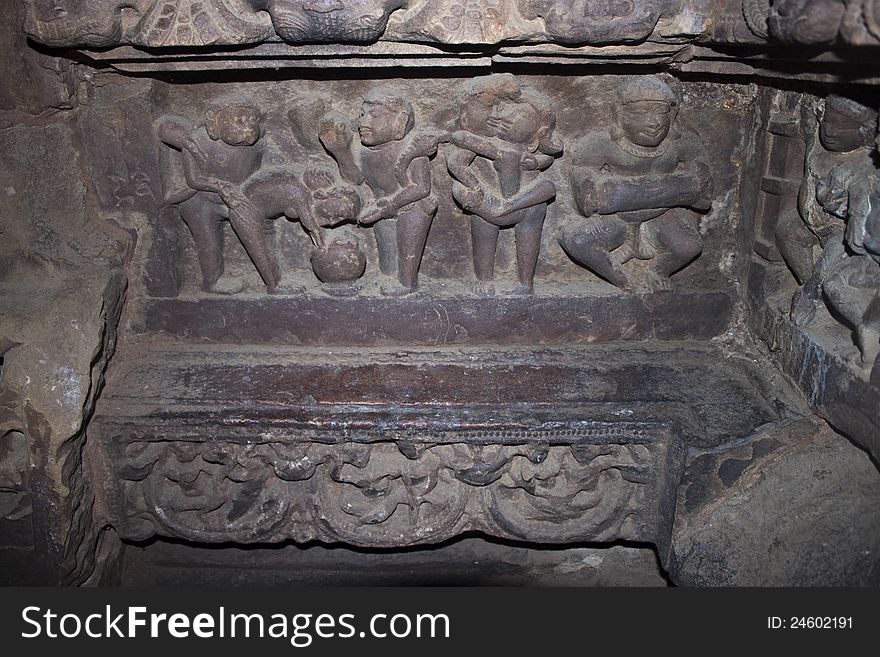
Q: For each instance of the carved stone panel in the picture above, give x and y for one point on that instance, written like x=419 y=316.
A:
x=387 y=493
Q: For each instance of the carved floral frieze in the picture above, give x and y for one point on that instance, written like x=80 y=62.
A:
x=383 y=494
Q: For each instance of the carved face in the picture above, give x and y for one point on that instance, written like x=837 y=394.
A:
x=646 y=123
x=515 y=122
x=380 y=124
x=840 y=132
x=236 y=126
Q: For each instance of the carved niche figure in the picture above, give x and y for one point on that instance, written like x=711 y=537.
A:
x=393 y=159
x=329 y=21
x=217 y=157
x=847 y=275
x=597 y=21
x=503 y=144
x=639 y=188
x=845 y=135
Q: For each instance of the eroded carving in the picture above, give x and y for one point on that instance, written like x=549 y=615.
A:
x=640 y=188
x=603 y=21
x=393 y=159
x=218 y=157
x=151 y=23
x=814 y=22
x=838 y=209
x=329 y=21
x=388 y=493
x=504 y=142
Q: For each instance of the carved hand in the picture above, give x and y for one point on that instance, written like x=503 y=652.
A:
x=335 y=132
x=383 y=208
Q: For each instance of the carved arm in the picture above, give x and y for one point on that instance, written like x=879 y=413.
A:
x=336 y=136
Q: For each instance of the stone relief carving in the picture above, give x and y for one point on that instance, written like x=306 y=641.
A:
x=831 y=243
x=330 y=21
x=503 y=143
x=217 y=157
x=149 y=23
x=393 y=159
x=387 y=493
x=814 y=22
x=462 y=21
x=640 y=188
x=605 y=21
x=838 y=137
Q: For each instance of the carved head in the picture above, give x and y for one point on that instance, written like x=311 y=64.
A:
x=645 y=111
x=846 y=125
x=810 y=22
x=485 y=103
x=334 y=202
x=384 y=118
x=235 y=123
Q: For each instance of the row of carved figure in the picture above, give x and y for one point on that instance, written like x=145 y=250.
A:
x=639 y=186
x=169 y=23
x=831 y=242
x=384 y=494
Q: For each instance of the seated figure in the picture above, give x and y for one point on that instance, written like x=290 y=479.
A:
x=640 y=189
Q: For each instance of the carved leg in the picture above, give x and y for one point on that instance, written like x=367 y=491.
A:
x=203 y=216
x=248 y=226
x=590 y=243
x=678 y=241
x=796 y=243
x=386 y=242
x=484 y=237
x=528 y=246
x=413 y=227
x=868 y=332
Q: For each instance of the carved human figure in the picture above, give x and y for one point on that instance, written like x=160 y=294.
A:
x=393 y=159
x=639 y=188
x=847 y=275
x=329 y=21
x=218 y=157
x=504 y=142
x=841 y=142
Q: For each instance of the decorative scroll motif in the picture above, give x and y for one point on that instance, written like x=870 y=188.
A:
x=639 y=188
x=838 y=217
x=814 y=22
x=597 y=22
x=385 y=494
x=503 y=143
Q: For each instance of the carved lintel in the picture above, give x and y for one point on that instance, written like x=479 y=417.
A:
x=387 y=493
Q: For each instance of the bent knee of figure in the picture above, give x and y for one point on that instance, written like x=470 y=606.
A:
x=605 y=233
